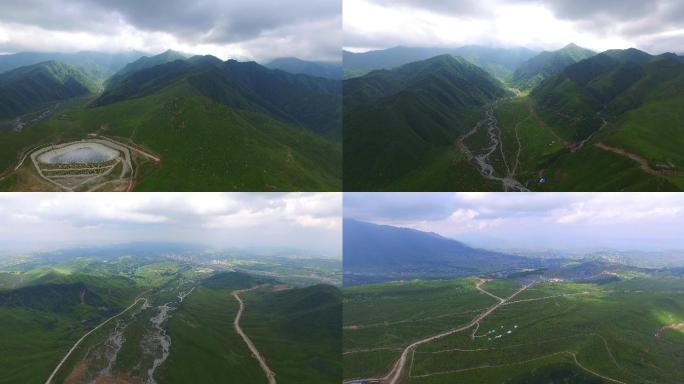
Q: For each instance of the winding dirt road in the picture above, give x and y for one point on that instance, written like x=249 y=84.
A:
x=643 y=163
x=270 y=375
x=398 y=373
x=54 y=372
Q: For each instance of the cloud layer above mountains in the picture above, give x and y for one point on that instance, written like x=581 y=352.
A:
x=248 y=29
x=299 y=220
x=532 y=220
x=655 y=26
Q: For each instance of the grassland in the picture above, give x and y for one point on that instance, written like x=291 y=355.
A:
x=204 y=145
x=384 y=318
x=534 y=146
x=298 y=331
x=559 y=332
x=49 y=304
x=205 y=347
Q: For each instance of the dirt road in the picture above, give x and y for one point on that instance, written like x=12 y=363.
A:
x=643 y=163
x=398 y=372
x=270 y=375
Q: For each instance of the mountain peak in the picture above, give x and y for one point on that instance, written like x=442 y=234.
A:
x=572 y=47
x=172 y=53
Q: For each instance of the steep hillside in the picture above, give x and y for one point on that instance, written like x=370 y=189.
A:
x=294 y=65
x=297 y=330
x=25 y=89
x=295 y=99
x=98 y=65
x=215 y=126
x=146 y=62
x=532 y=72
x=379 y=252
x=206 y=145
x=309 y=321
x=406 y=119
x=579 y=98
x=499 y=62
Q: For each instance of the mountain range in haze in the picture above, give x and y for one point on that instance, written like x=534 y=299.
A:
x=375 y=253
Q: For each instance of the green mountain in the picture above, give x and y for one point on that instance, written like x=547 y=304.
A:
x=299 y=100
x=228 y=126
x=25 y=89
x=215 y=125
x=499 y=62
x=147 y=318
x=146 y=62
x=405 y=120
x=532 y=72
x=374 y=253
x=609 y=84
x=611 y=122
x=294 y=65
x=98 y=65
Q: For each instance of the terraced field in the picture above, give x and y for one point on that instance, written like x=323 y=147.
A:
x=549 y=332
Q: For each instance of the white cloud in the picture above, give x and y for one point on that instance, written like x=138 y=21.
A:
x=303 y=220
x=543 y=25
x=620 y=220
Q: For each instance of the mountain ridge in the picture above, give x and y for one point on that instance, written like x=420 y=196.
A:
x=25 y=89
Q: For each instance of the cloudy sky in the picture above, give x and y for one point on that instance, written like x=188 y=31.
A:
x=306 y=221
x=247 y=29
x=623 y=221
x=655 y=26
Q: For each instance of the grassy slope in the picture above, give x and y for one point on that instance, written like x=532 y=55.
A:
x=625 y=314
x=203 y=145
x=592 y=169
x=205 y=347
x=654 y=128
x=207 y=146
x=39 y=331
x=392 y=315
x=28 y=88
x=298 y=332
x=410 y=160
x=51 y=129
x=402 y=123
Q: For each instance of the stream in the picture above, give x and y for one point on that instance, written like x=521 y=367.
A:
x=482 y=160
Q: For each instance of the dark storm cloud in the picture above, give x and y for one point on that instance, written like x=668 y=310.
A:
x=218 y=20
x=260 y=22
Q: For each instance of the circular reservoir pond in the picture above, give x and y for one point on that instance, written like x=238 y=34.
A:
x=78 y=153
